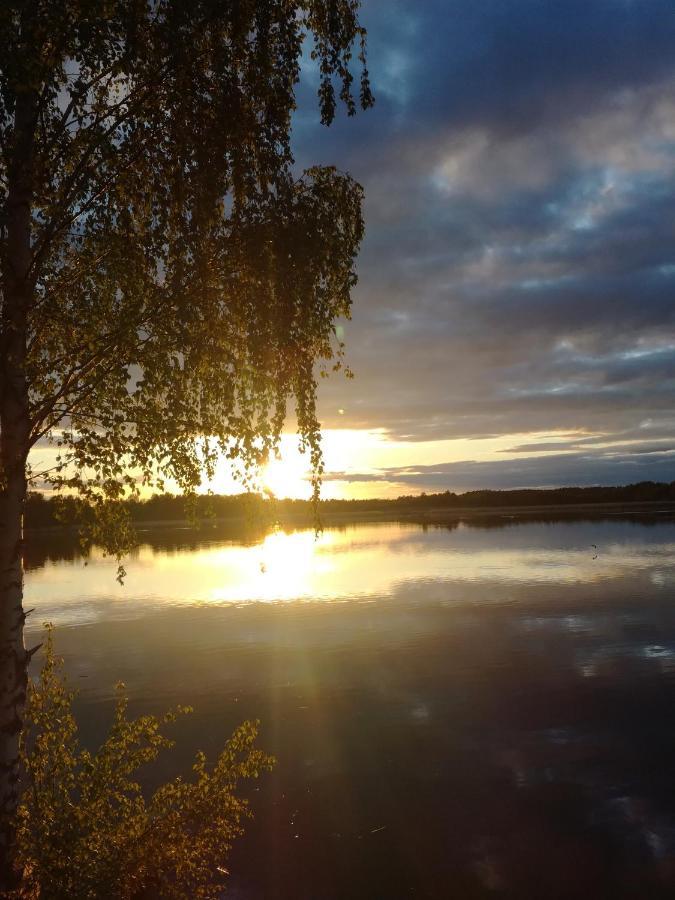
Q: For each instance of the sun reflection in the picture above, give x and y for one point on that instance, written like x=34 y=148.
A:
x=283 y=567
x=374 y=560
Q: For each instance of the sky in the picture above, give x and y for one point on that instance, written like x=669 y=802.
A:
x=514 y=320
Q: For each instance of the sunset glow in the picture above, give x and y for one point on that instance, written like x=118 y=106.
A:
x=370 y=463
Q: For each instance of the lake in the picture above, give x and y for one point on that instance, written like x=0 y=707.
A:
x=471 y=709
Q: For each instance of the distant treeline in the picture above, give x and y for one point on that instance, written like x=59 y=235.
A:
x=642 y=492
x=42 y=511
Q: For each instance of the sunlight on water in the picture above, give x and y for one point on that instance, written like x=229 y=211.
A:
x=361 y=561
x=283 y=567
x=501 y=689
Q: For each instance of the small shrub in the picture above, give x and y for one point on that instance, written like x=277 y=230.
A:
x=84 y=828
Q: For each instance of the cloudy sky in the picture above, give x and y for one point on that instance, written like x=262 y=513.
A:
x=514 y=322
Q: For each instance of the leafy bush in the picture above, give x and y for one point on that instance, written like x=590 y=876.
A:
x=84 y=828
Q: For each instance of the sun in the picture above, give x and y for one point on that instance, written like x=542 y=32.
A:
x=287 y=476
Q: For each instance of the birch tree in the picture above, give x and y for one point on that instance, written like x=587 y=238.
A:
x=168 y=283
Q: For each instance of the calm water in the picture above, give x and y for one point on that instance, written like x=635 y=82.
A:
x=485 y=709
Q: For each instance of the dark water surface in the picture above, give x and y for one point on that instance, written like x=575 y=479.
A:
x=457 y=710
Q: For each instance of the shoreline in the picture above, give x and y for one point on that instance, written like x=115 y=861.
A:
x=430 y=516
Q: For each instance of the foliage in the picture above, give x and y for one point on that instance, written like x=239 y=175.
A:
x=42 y=511
x=181 y=281
x=85 y=829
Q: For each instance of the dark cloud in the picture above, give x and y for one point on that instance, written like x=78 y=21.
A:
x=518 y=273
x=541 y=471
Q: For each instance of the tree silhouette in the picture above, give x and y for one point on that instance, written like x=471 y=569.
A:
x=168 y=283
